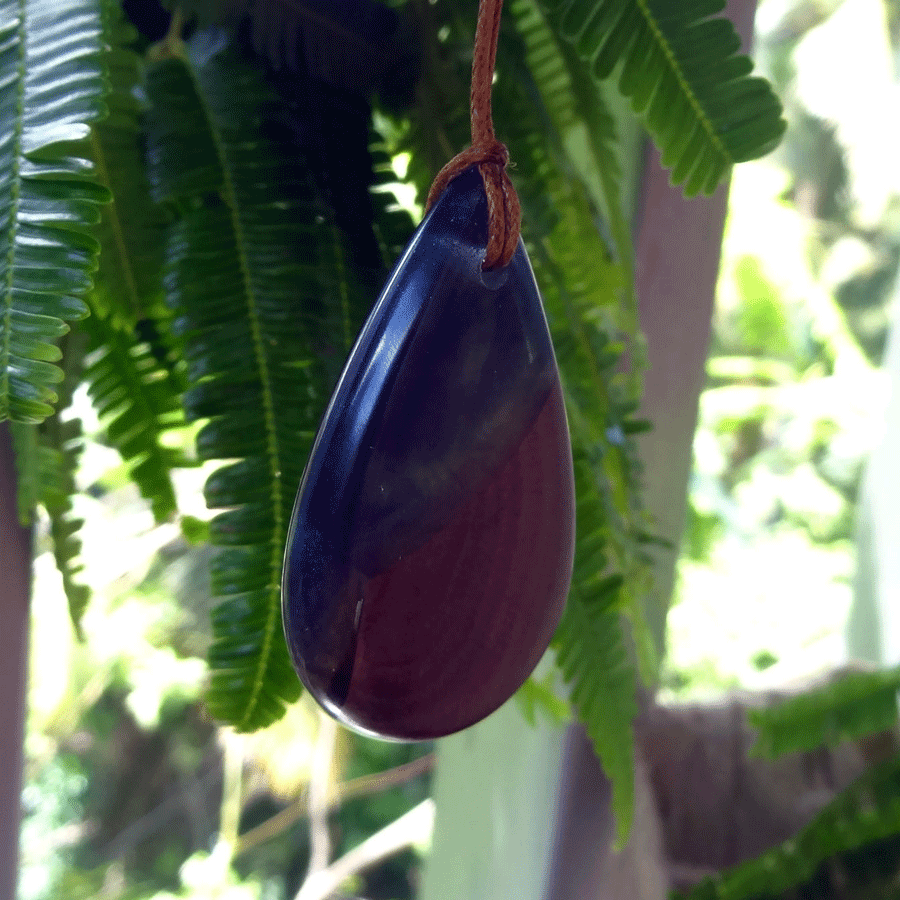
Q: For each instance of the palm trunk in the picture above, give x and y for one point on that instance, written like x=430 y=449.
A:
x=15 y=583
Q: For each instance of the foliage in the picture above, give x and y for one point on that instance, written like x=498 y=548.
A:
x=52 y=88
x=240 y=252
x=49 y=802
x=52 y=451
x=853 y=706
x=681 y=69
x=137 y=397
x=230 y=268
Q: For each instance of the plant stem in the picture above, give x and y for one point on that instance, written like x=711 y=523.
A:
x=15 y=590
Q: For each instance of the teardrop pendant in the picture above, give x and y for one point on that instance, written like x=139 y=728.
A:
x=430 y=549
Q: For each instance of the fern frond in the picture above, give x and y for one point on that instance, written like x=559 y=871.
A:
x=47 y=457
x=354 y=44
x=138 y=401
x=65 y=440
x=865 y=812
x=392 y=224
x=853 y=706
x=439 y=126
x=681 y=69
x=592 y=654
x=264 y=308
x=51 y=87
x=580 y=113
x=131 y=230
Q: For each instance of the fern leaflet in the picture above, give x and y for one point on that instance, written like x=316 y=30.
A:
x=47 y=457
x=853 y=706
x=51 y=87
x=136 y=397
x=680 y=67
x=131 y=228
x=250 y=233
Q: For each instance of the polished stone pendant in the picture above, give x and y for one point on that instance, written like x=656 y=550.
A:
x=430 y=549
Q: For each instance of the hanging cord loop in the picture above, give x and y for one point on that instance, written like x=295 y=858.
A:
x=491 y=157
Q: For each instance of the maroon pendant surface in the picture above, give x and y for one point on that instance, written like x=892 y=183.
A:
x=431 y=544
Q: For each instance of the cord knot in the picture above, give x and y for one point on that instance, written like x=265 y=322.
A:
x=504 y=211
x=491 y=157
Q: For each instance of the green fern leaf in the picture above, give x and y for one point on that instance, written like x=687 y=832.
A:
x=592 y=654
x=51 y=87
x=439 y=125
x=61 y=438
x=65 y=441
x=581 y=117
x=138 y=401
x=393 y=225
x=855 y=705
x=264 y=306
x=681 y=70
x=131 y=231
x=47 y=457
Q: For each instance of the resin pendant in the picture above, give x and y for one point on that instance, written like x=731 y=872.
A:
x=430 y=549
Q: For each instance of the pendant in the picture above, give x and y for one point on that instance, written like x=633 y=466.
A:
x=431 y=544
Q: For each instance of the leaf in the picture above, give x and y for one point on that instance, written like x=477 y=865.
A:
x=51 y=87
x=138 y=400
x=681 y=70
x=47 y=457
x=853 y=706
x=357 y=45
x=538 y=693
x=393 y=226
x=131 y=229
x=65 y=439
x=592 y=654
x=265 y=308
x=580 y=113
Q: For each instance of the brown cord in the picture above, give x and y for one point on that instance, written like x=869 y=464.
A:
x=491 y=157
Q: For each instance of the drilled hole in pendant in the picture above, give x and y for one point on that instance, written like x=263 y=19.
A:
x=494 y=279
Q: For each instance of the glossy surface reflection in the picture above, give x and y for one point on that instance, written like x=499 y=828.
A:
x=430 y=550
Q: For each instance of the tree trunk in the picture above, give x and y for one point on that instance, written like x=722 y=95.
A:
x=719 y=805
x=15 y=584
x=874 y=626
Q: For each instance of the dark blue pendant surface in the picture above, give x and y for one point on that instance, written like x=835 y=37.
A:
x=430 y=548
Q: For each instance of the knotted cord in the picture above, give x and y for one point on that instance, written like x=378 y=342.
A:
x=489 y=154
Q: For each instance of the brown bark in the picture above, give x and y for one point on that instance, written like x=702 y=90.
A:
x=717 y=804
x=15 y=585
